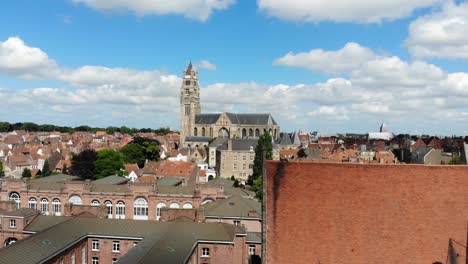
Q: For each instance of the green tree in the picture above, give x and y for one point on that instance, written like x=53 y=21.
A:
x=26 y=173
x=30 y=127
x=108 y=162
x=46 y=169
x=134 y=153
x=264 y=145
x=83 y=164
x=5 y=127
x=1 y=169
x=151 y=150
x=126 y=130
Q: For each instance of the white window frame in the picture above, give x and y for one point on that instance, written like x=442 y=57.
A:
x=14 y=196
x=95 y=245
x=75 y=199
x=95 y=260
x=44 y=206
x=205 y=252
x=116 y=246
x=12 y=223
x=251 y=250
x=56 y=207
x=109 y=208
x=174 y=205
x=95 y=203
x=83 y=255
x=32 y=203
x=120 y=210
x=158 y=210
x=114 y=260
x=237 y=222
x=140 y=209
x=72 y=258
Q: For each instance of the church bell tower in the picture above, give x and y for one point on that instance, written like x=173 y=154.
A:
x=189 y=102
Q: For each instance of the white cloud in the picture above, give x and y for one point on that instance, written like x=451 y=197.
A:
x=330 y=112
x=442 y=34
x=19 y=60
x=195 y=9
x=360 y=11
x=351 y=56
x=204 y=64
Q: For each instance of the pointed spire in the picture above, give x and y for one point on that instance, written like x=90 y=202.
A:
x=189 y=68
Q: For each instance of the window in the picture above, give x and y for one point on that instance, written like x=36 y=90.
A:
x=205 y=252
x=135 y=243
x=187 y=109
x=140 y=209
x=187 y=82
x=158 y=210
x=236 y=222
x=32 y=203
x=115 y=246
x=251 y=250
x=15 y=197
x=95 y=260
x=95 y=245
x=174 y=205
x=195 y=131
x=234 y=166
x=12 y=223
x=45 y=206
x=114 y=260
x=56 y=207
x=244 y=157
x=187 y=91
x=187 y=206
x=75 y=199
x=120 y=210
x=109 y=208
x=251 y=158
x=244 y=166
x=235 y=157
x=72 y=258
x=83 y=255
x=61 y=261
x=95 y=203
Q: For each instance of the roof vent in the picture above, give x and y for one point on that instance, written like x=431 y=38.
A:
x=170 y=249
x=46 y=242
x=231 y=203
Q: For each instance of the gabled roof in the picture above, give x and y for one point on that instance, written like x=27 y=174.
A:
x=113 y=179
x=206 y=118
x=235 y=206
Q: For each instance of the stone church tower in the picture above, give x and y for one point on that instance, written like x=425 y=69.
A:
x=189 y=102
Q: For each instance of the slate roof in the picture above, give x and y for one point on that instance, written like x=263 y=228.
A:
x=162 y=242
x=197 y=139
x=240 y=144
x=206 y=118
x=285 y=140
x=113 y=179
x=56 y=178
x=22 y=212
x=168 y=181
x=235 y=206
x=254 y=237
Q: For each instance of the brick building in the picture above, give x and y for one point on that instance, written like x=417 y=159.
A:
x=364 y=213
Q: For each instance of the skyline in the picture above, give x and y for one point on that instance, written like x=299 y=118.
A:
x=394 y=62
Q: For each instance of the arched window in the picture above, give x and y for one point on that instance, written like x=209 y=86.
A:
x=56 y=207
x=158 y=210
x=257 y=132
x=44 y=206
x=75 y=199
x=195 y=132
x=275 y=134
x=208 y=200
x=174 y=205
x=95 y=203
x=187 y=206
x=10 y=241
x=223 y=133
x=120 y=210
x=244 y=133
x=203 y=132
x=109 y=208
x=32 y=203
x=211 y=132
x=251 y=133
x=14 y=196
x=140 y=209
x=271 y=132
x=264 y=131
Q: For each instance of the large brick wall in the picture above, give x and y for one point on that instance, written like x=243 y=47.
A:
x=334 y=213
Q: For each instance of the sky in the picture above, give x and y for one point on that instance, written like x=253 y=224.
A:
x=331 y=66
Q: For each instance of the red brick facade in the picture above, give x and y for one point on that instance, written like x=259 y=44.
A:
x=364 y=213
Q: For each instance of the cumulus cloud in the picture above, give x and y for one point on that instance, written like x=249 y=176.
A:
x=351 y=56
x=20 y=60
x=442 y=34
x=359 y=11
x=195 y=9
x=204 y=64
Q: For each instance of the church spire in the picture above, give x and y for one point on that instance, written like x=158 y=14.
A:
x=189 y=68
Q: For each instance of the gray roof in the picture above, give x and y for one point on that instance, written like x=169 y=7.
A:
x=285 y=140
x=56 y=178
x=419 y=154
x=166 y=242
x=240 y=144
x=113 y=179
x=254 y=237
x=238 y=119
x=207 y=119
x=217 y=142
x=233 y=207
x=22 y=212
x=168 y=181
x=197 y=139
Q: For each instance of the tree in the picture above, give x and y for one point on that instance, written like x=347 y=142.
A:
x=108 y=162
x=83 y=164
x=46 y=169
x=264 y=146
x=26 y=173
x=134 y=153
x=151 y=150
x=5 y=127
x=1 y=169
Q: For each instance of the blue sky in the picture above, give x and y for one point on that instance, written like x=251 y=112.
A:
x=102 y=62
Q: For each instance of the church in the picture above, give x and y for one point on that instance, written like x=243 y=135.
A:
x=214 y=125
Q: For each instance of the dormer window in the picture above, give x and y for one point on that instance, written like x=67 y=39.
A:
x=12 y=223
